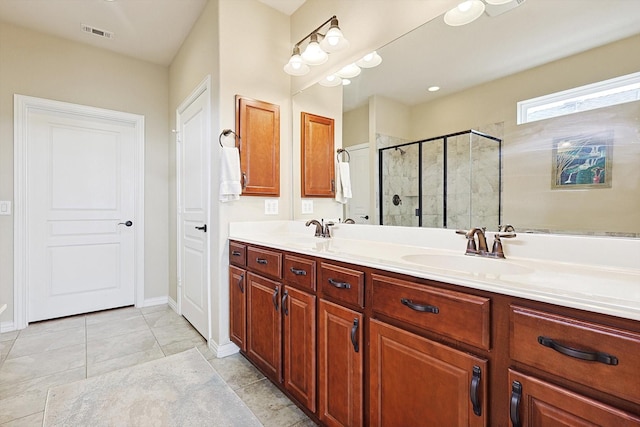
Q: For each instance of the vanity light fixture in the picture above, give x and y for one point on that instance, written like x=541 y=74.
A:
x=466 y=12
x=370 y=60
x=331 y=81
x=318 y=47
x=349 y=71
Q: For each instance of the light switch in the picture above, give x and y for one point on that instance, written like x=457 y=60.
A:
x=307 y=206
x=5 y=207
x=271 y=207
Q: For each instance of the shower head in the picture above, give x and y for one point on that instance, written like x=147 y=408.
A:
x=402 y=152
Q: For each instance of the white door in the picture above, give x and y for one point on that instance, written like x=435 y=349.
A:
x=80 y=189
x=358 y=207
x=193 y=209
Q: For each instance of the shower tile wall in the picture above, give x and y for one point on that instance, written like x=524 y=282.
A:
x=473 y=187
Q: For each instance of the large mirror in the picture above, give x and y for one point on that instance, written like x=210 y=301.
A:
x=484 y=69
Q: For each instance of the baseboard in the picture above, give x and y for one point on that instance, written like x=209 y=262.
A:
x=172 y=304
x=7 y=327
x=225 y=350
x=155 y=301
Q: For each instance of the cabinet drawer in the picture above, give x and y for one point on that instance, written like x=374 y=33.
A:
x=342 y=284
x=453 y=314
x=237 y=254
x=300 y=272
x=598 y=356
x=265 y=261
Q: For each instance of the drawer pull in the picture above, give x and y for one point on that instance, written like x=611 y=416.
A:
x=285 y=310
x=275 y=298
x=593 y=356
x=298 y=272
x=339 y=285
x=354 y=331
x=473 y=390
x=419 y=307
x=261 y=261
x=514 y=408
x=240 y=280
x=236 y=253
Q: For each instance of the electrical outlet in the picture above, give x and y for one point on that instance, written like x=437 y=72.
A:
x=271 y=207
x=5 y=207
x=307 y=206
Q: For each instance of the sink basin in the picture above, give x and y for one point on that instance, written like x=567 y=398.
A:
x=468 y=264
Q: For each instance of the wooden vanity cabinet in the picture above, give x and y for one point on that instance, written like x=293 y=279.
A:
x=415 y=381
x=537 y=403
x=340 y=365
x=237 y=294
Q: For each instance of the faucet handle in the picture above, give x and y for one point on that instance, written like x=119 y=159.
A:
x=506 y=228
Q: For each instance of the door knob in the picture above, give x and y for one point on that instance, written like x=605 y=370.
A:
x=203 y=228
x=365 y=217
x=128 y=223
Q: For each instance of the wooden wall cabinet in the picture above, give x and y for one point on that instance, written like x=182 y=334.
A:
x=317 y=156
x=258 y=124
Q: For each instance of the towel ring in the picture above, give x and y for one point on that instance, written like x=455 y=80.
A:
x=343 y=151
x=227 y=132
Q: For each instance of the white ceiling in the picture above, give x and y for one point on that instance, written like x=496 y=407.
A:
x=151 y=30
x=455 y=58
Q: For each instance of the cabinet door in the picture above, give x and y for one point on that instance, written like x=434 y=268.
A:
x=536 y=403
x=299 y=311
x=263 y=325
x=317 y=156
x=418 y=382
x=259 y=126
x=340 y=365
x=238 y=307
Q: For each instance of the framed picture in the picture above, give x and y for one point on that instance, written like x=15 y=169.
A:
x=582 y=161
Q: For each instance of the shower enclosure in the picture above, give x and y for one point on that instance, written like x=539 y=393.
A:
x=450 y=181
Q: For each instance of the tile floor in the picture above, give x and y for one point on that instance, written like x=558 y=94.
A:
x=55 y=352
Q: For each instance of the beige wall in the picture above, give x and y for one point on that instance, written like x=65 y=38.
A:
x=527 y=148
x=42 y=66
x=355 y=126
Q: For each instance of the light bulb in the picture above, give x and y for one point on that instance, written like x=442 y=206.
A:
x=331 y=81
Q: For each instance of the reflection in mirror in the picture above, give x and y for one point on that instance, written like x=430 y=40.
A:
x=450 y=181
x=484 y=69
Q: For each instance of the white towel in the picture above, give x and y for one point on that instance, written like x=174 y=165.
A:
x=230 y=186
x=343 y=182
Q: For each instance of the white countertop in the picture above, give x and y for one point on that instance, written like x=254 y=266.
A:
x=606 y=282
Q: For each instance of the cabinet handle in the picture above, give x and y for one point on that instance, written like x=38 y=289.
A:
x=261 y=261
x=354 y=331
x=473 y=390
x=593 y=356
x=240 y=280
x=275 y=298
x=339 y=285
x=236 y=253
x=245 y=180
x=298 y=272
x=419 y=307
x=333 y=186
x=285 y=309
x=514 y=408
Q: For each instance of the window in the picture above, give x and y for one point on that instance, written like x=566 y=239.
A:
x=584 y=98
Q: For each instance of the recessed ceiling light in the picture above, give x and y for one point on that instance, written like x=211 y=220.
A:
x=434 y=88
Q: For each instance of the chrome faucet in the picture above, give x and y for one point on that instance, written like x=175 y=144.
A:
x=322 y=229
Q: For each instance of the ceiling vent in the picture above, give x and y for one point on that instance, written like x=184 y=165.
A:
x=493 y=10
x=96 y=31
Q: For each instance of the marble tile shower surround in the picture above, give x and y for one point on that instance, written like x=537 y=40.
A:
x=56 y=352
x=473 y=187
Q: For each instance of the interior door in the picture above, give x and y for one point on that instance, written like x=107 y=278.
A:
x=193 y=205
x=80 y=214
x=358 y=207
